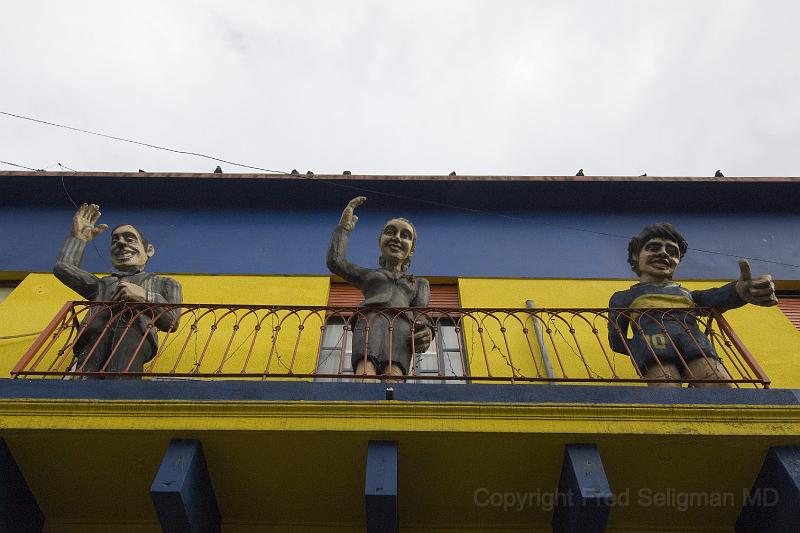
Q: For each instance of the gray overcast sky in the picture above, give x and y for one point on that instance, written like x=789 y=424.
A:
x=417 y=87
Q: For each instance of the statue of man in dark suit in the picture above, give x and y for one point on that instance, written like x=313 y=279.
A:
x=116 y=337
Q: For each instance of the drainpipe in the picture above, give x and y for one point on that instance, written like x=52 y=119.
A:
x=548 y=367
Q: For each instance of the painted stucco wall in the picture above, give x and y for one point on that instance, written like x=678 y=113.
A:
x=31 y=306
x=765 y=331
x=471 y=228
x=294 y=241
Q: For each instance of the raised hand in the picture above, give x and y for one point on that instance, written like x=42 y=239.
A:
x=758 y=291
x=84 y=220
x=348 y=220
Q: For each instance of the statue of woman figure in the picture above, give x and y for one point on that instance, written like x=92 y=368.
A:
x=375 y=351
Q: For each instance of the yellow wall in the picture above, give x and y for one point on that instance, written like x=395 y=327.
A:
x=32 y=305
x=766 y=332
x=48 y=438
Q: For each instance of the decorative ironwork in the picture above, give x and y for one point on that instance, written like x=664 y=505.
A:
x=284 y=342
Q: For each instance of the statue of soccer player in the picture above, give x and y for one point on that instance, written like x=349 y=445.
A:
x=387 y=286
x=683 y=352
x=118 y=347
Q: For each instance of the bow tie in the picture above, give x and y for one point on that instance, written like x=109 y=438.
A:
x=119 y=274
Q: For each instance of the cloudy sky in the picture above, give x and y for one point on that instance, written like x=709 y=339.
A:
x=412 y=87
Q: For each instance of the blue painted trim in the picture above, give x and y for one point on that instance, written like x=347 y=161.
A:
x=773 y=503
x=234 y=390
x=526 y=232
x=182 y=491
x=380 y=487
x=536 y=246
x=584 y=495
x=19 y=512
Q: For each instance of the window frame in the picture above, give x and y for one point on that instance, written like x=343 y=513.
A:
x=440 y=351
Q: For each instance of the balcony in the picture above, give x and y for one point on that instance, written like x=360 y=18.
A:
x=471 y=345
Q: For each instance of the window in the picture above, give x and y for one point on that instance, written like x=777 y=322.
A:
x=448 y=361
x=332 y=359
x=445 y=356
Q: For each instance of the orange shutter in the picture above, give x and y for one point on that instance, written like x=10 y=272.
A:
x=344 y=295
x=790 y=305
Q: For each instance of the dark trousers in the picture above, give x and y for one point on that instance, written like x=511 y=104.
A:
x=93 y=350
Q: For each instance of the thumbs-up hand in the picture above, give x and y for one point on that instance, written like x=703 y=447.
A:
x=758 y=291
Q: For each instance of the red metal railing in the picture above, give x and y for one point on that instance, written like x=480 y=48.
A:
x=113 y=340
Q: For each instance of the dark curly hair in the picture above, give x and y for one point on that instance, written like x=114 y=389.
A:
x=660 y=230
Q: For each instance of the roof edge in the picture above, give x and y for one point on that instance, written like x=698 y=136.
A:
x=402 y=177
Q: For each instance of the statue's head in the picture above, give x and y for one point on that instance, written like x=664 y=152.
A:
x=398 y=240
x=129 y=248
x=656 y=251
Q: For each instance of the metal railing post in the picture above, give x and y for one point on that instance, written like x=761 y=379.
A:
x=40 y=340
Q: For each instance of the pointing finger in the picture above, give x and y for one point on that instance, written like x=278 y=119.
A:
x=357 y=201
x=744 y=267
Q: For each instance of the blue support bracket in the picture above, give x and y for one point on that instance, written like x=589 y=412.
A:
x=380 y=487
x=773 y=503
x=182 y=492
x=584 y=495
x=19 y=512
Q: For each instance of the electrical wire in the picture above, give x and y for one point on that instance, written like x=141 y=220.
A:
x=16 y=165
x=539 y=222
x=64 y=186
x=140 y=143
x=372 y=191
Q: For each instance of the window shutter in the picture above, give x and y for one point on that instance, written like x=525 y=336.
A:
x=344 y=295
x=790 y=305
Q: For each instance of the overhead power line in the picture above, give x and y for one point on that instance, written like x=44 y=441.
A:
x=140 y=143
x=362 y=189
x=16 y=165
